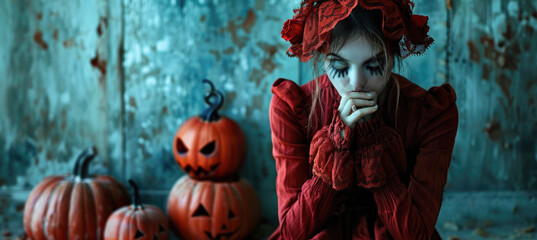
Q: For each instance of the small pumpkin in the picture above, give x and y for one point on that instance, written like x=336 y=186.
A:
x=73 y=206
x=137 y=221
x=210 y=146
x=213 y=210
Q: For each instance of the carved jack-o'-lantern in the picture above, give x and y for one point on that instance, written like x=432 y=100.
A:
x=137 y=221
x=210 y=146
x=213 y=210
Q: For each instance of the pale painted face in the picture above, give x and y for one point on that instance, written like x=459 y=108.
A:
x=358 y=66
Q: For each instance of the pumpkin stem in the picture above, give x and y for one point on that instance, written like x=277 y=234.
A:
x=211 y=113
x=136 y=196
x=81 y=164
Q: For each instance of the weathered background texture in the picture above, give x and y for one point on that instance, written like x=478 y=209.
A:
x=125 y=74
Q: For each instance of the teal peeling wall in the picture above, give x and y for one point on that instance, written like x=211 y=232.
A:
x=124 y=75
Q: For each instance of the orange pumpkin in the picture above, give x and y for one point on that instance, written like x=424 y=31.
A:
x=73 y=206
x=213 y=210
x=210 y=146
x=137 y=221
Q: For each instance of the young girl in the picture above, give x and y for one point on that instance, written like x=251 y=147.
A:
x=361 y=152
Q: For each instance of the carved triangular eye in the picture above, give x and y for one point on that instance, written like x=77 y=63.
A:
x=201 y=211
x=230 y=214
x=155 y=237
x=208 y=149
x=224 y=226
x=181 y=148
x=161 y=229
x=139 y=234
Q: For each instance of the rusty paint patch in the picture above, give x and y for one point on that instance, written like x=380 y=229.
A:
x=505 y=83
x=488 y=44
x=515 y=49
x=99 y=64
x=164 y=110
x=49 y=156
x=270 y=49
x=510 y=60
x=216 y=54
x=229 y=50
x=449 y=5
x=39 y=16
x=203 y=18
x=485 y=73
x=103 y=24
x=504 y=59
x=493 y=130
x=268 y=65
x=55 y=34
x=69 y=43
x=474 y=52
x=534 y=14
x=19 y=207
x=509 y=34
x=38 y=38
x=241 y=42
x=132 y=102
x=529 y=29
x=249 y=21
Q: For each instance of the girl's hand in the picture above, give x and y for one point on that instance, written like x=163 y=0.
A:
x=357 y=107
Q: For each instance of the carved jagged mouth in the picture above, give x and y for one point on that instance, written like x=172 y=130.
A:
x=219 y=236
x=201 y=172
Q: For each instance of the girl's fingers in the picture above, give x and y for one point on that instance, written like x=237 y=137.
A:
x=357 y=104
x=346 y=111
x=359 y=114
x=355 y=95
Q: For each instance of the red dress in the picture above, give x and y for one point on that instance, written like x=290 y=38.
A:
x=390 y=189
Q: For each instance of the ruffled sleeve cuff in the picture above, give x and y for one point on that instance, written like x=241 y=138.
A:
x=341 y=135
x=332 y=165
x=381 y=153
x=370 y=127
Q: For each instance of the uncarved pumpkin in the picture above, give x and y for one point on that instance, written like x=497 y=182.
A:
x=210 y=146
x=213 y=210
x=137 y=221
x=73 y=206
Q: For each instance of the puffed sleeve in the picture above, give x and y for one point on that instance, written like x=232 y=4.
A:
x=411 y=212
x=304 y=200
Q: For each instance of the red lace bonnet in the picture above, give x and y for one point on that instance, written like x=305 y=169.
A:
x=313 y=22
